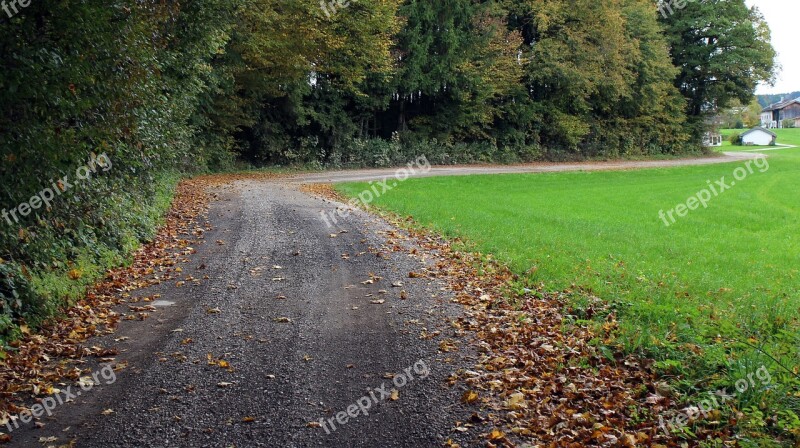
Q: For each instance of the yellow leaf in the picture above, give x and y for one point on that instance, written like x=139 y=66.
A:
x=469 y=397
x=516 y=401
x=496 y=435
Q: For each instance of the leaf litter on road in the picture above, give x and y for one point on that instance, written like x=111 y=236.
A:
x=537 y=382
x=55 y=352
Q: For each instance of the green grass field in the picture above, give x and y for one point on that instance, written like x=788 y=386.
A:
x=721 y=279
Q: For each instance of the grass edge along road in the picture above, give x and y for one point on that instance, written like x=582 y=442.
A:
x=709 y=298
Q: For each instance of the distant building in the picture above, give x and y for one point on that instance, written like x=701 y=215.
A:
x=712 y=138
x=759 y=136
x=772 y=116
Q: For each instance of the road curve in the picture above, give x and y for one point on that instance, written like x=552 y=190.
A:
x=365 y=175
x=294 y=337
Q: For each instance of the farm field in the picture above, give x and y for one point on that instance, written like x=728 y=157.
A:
x=717 y=290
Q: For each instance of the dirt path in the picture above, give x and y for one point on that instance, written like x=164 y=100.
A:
x=295 y=326
x=383 y=174
x=310 y=325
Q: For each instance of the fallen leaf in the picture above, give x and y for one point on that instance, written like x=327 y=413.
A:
x=469 y=397
x=496 y=434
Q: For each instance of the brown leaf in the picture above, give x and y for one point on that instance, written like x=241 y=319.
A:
x=469 y=397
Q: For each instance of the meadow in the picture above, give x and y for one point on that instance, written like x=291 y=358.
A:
x=708 y=297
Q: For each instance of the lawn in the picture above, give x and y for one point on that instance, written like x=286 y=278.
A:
x=696 y=295
x=785 y=137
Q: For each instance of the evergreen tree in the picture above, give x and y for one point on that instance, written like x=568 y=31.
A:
x=723 y=51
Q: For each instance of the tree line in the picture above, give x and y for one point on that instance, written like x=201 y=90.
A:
x=160 y=87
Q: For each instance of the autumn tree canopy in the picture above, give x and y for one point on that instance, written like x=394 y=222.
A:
x=165 y=87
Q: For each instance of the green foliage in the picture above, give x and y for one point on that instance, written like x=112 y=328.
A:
x=161 y=87
x=81 y=80
x=738 y=116
x=572 y=82
x=600 y=78
x=723 y=51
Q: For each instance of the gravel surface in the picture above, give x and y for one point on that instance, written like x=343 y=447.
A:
x=544 y=167
x=285 y=306
x=283 y=336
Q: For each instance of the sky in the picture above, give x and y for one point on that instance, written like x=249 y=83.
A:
x=782 y=16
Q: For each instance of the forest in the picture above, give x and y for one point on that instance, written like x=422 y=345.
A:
x=106 y=104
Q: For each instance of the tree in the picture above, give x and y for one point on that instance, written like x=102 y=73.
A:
x=599 y=76
x=457 y=64
x=737 y=116
x=292 y=68
x=723 y=51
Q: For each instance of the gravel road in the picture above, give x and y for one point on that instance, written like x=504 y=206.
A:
x=310 y=325
x=296 y=329
x=544 y=167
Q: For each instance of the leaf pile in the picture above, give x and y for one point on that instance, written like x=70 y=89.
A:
x=544 y=378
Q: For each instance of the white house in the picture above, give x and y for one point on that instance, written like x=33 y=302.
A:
x=759 y=136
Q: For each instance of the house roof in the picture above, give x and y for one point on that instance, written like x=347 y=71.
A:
x=759 y=128
x=780 y=105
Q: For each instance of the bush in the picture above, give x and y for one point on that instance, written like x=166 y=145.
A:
x=65 y=100
x=736 y=138
x=788 y=124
